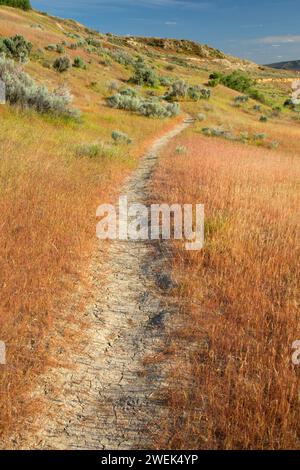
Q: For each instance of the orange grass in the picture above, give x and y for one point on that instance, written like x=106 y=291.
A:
x=48 y=234
x=233 y=385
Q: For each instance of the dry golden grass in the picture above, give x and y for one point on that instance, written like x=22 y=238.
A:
x=234 y=385
x=47 y=235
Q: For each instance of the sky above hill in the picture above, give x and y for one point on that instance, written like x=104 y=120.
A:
x=265 y=31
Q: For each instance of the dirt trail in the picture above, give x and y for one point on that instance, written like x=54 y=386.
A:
x=109 y=399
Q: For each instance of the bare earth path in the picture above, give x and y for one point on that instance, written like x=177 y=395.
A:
x=109 y=399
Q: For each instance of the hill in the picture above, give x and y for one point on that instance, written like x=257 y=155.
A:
x=81 y=108
x=289 y=65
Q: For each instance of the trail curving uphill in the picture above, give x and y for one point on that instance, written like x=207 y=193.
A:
x=110 y=400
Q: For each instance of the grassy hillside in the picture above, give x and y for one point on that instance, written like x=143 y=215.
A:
x=57 y=165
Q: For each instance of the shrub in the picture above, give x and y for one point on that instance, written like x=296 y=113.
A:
x=60 y=48
x=213 y=83
x=36 y=26
x=148 y=108
x=180 y=89
x=260 y=136
x=95 y=150
x=274 y=145
x=193 y=94
x=237 y=81
x=263 y=118
x=16 y=47
x=165 y=81
x=129 y=103
x=50 y=47
x=22 y=4
x=181 y=149
x=120 y=137
x=106 y=62
x=256 y=95
x=292 y=103
x=144 y=75
x=22 y=90
x=62 y=64
x=113 y=86
x=89 y=150
x=156 y=109
x=218 y=132
x=205 y=93
x=128 y=92
x=241 y=99
x=79 y=63
x=216 y=76
x=214 y=79
x=201 y=117
x=121 y=57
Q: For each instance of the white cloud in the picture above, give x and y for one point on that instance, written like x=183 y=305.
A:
x=277 y=40
x=171 y=23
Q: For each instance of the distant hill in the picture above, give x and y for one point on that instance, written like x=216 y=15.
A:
x=290 y=65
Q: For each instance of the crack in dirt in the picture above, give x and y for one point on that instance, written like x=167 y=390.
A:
x=110 y=398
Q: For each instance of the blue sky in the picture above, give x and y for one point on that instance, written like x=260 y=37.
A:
x=261 y=30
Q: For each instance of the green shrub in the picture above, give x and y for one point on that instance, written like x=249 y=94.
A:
x=180 y=89
x=256 y=95
x=181 y=149
x=50 y=47
x=22 y=4
x=260 y=136
x=60 y=48
x=274 y=145
x=128 y=92
x=201 y=117
x=23 y=91
x=79 y=63
x=213 y=83
x=216 y=76
x=120 y=137
x=218 y=132
x=121 y=57
x=89 y=150
x=62 y=64
x=16 y=47
x=237 y=81
x=291 y=103
x=165 y=81
x=156 y=109
x=263 y=118
x=214 y=79
x=144 y=107
x=241 y=99
x=144 y=75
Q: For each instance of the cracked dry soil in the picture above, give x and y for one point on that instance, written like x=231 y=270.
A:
x=110 y=399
